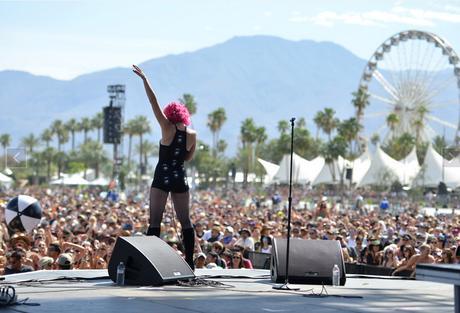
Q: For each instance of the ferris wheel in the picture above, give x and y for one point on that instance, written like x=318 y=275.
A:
x=413 y=86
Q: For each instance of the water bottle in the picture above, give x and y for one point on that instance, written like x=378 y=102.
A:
x=121 y=274
x=335 y=275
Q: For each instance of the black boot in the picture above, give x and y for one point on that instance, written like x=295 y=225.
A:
x=188 y=238
x=153 y=231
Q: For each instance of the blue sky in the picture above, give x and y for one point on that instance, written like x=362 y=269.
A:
x=66 y=38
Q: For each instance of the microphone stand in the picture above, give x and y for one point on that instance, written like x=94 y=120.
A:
x=286 y=282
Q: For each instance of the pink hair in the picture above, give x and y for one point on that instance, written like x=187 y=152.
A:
x=176 y=112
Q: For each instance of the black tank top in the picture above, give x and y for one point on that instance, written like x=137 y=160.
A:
x=170 y=172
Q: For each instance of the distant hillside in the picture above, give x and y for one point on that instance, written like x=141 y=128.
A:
x=263 y=77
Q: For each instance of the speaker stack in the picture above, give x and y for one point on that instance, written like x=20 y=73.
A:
x=310 y=261
x=112 y=124
x=149 y=261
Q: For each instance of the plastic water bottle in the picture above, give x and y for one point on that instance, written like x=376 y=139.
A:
x=335 y=275
x=121 y=274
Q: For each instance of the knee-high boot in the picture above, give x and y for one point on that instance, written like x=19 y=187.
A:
x=188 y=238
x=153 y=231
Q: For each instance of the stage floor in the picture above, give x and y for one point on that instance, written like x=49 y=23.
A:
x=241 y=291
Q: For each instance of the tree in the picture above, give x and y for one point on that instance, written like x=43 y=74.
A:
x=48 y=155
x=392 y=122
x=141 y=127
x=62 y=137
x=221 y=146
x=189 y=101
x=85 y=126
x=215 y=121
x=73 y=126
x=5 y=141
x=360 y=102
x=30 y=142
x=97 y=122
x=249 y=135
x=349 y=130
x=329 y=122
x=92 y=154
x=283 y=126
x=46 y=137
x=440 y=145
x=332 y=150
x=148 y=149
x=318 y=120
x=129 y=129
x=375 y=139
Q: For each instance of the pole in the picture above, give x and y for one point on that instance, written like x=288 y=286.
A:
x=286 y=281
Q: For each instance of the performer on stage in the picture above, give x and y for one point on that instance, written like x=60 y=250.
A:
x=177 y=145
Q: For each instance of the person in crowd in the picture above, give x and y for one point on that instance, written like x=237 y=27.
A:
x=46 y=263
x=15 y=263
x=65 y=262
x=423 y=257
x=447 y=257
x=228 y=239
x=373 y=255
x=237 y=260
x=390 y=258
x=200 y=260
x=246 y=242
x=177 y=145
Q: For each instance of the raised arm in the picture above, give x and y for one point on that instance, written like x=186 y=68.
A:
x=159 y=115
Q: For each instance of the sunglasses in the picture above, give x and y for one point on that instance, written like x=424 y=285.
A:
x=236 y=257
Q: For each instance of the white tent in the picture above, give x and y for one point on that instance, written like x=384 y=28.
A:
x=270 y=168
x=101 y=181
x=5 y=180
x=303 y=171
x=326 y=176
x=410 y=168
x=433 y=168
x=360 y=166
x=383 y=170
x=74 y=180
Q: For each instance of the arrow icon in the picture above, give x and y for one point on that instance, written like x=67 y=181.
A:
x=15 y=157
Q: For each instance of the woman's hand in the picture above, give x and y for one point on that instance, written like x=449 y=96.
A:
x=138 y=71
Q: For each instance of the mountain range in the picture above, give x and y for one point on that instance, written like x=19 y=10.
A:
x=264 y=77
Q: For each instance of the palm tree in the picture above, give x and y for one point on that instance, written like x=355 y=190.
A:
x=221 y=146
x=189 y=101
x=360 y=102
x=248 y=133
x=392 y=122
x=129 y=129
x=283 y=126
x=97 y=122
x=148 y=149
x=30 y=142
x=318 y=120
x=73 y=126
x=48 y=155
x=92 y=154
x=375 y=139
x=349 y=130
x=85 y=126
x=62 y=137
x=329 y=122
x=141 y=127
x=47 y=137
x=5 y=141
x=440 y=145
x=215 y=121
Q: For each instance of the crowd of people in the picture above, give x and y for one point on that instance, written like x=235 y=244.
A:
x=79 y=228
